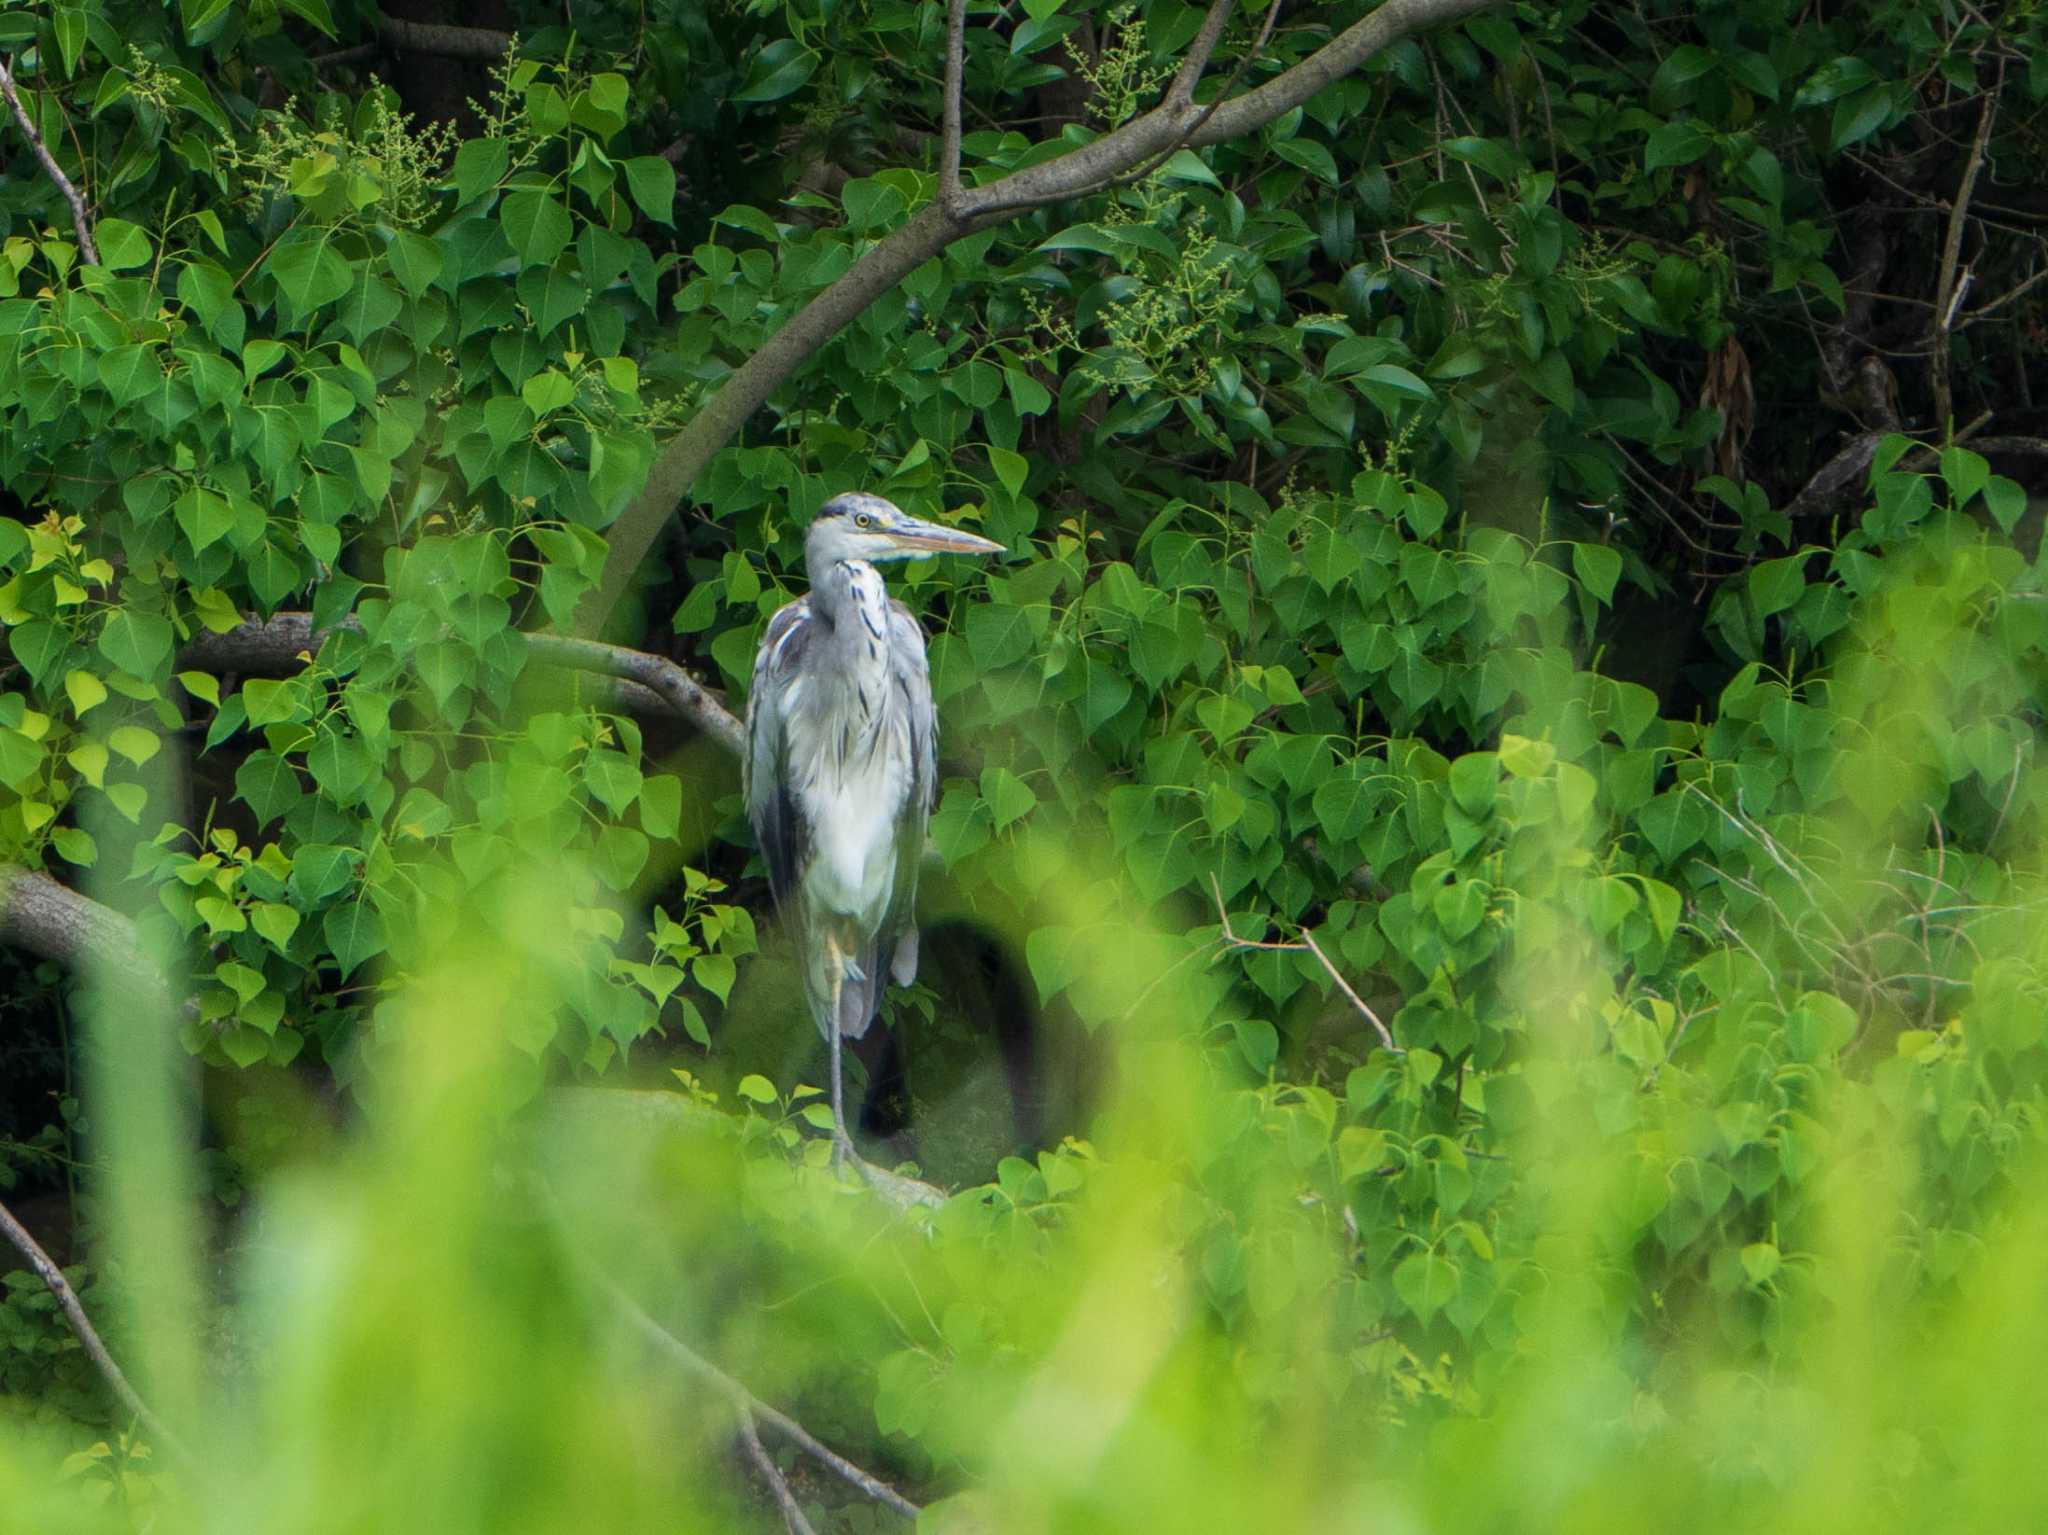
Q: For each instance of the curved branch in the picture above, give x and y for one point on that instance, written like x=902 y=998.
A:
x=748 y=1405
x=55 y=922
x=80 y=220
x=938 y=224
x=648 y=683
x=683 y=694
x=89 y=1339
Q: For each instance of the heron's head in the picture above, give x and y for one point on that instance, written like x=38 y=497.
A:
x=857 y=526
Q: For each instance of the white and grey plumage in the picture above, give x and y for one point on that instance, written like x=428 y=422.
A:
x=842 y=762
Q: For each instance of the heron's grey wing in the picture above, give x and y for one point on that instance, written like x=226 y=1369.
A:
x=780 y=830
x=910 y=675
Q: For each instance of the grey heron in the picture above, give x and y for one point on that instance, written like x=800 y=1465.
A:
x=842 y=763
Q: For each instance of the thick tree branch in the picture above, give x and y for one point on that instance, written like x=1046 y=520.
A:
x=956 y=68
x=929 y=231
x=81 y=221
x=648 y=683
x=88 y=1337
x=55 y=922
x=676 y=688
x=483 y=44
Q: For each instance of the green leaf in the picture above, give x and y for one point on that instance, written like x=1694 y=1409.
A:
x=480 y=164
x=75 y=846
x=314 y=11
x=756 y=1088
x=1673 y=821
x=310 y=273
x=122 y=245
x=1011 y=469
x=85 y=691
x=1776 y=585
x=715 y=973
x=1964 y=472
x=2006 y=500
x=354 y=933
x=135 y=743
x=275 y=922
x=621 y=855
x=1678 y=143
x=129 y=799
x=268 y=784
x=1311 y=157
x=320 y=870
x=537 y=225
x=414 y=260
x=661 y=805
x=1836 y=78
x=1426 y=1282
x=69 y=24
x=1858 y=117
x=138 y=642
x=652 y=181
x=89 y=759
x=1009 y=798
x=778 y=70
x=269 y=702
x=552 y=295
x=612 y=778
x=1598 y=568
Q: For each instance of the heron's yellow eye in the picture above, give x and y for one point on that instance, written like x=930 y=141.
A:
x=862 y=520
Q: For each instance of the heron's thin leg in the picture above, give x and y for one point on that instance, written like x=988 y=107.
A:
x=842 y=1143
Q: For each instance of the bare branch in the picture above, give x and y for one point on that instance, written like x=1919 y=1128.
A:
x=659 y=675
x=1330 y=63
x=1992 y=306
x=81 y=221
x=1308 y=943
x=485 y=45
x=55 y=922
x=2033 y=447
x=67 y=1301
x=1182 y=91
x=744 y=1401
x=956 y=68
x=1948 y=295
x=778 y=1484
x=649 y=682
x=1166 y=127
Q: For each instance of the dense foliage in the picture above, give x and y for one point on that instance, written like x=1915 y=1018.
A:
x=1530 y=551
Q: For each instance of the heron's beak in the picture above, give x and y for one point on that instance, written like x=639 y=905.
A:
x=913 y=536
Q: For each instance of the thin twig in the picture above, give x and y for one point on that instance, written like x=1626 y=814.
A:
x=1992 y=306
x=778 y=1484
x=67 y=1301
x=1308 y=943
x=1946 y=293
x=81 y=221
x=744 y=1400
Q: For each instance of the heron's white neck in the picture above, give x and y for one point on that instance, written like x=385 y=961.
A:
x=849 y=595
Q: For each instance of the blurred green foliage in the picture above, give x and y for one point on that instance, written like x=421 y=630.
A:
x=1399 y=593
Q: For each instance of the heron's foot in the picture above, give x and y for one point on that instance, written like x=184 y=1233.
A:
x=850 y=969
x=842 y=1149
